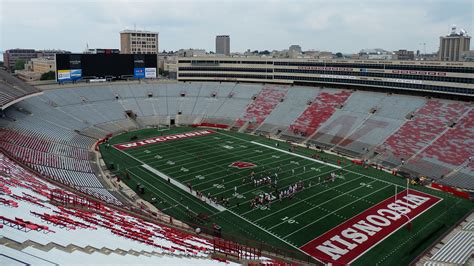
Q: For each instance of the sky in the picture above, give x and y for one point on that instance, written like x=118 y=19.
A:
x=332 y=25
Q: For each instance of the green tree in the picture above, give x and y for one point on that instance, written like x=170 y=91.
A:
x=163 y=72
x=20 y=64
x=339 y=55
x=50 y=75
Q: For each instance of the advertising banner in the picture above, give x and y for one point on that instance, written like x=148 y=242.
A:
x=76 y=74
x=150 y=73
x=139 y=72
x=64 y=75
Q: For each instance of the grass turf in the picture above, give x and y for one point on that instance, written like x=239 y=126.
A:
x=203 y=162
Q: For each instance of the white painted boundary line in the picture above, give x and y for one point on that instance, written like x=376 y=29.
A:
x=174 y=182
x=181 y=186
x=297 y=155
x=336 y=210
x=274 y=235
x=347 y=170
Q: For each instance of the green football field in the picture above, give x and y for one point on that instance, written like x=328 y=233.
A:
x=205 y=164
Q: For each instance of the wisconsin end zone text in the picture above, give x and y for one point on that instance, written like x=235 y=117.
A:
x=348 y=241
x=140 y=143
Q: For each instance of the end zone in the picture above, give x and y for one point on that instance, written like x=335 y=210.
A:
x=140 y=143
x=351 y=239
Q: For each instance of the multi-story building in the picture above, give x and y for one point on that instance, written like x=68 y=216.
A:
x=294 y=51
x=11 y=56
x=168 y=63
x=36 y=67
x=50 y=53
x=443 y=78
x=468 y=56
x=223 y=45
x=138 y=42
x=452 y=46
x=295 y=48
x=404 y=55
x=41 y=65
x=191 y=52
x=375 y=54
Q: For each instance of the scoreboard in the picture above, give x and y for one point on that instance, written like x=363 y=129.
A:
x=73 y=67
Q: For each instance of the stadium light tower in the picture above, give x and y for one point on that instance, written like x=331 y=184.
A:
x=424 y=47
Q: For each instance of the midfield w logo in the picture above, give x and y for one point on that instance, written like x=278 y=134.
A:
x=242 y=165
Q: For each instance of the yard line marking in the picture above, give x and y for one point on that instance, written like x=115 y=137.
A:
x=322 y=203
x=331 y=188
x=183 y=187
x=174 y=182
x=413 y=235
x=296 y=154
x=301 y=228
x=246 y=184
x=159 y=190
x=169 y=207
x=381 y=180
x=418 y=208
x=258 y=188
x=213 y=163
x=165 y=150
x=271 y=233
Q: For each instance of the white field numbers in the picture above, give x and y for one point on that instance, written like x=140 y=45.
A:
x=219 y=186
x=288 y=220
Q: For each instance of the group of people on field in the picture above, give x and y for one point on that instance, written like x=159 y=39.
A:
x=291 y=190
x=262 y=199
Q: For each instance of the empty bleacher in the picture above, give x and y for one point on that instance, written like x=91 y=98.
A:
x=451 y=149
x=289 y=110
x=457 y=250
x=262 y=106
x=321 y=109
x=386 y=117
x=428 y=123
x=33 y=227
x=13 y=90
x=389 y=127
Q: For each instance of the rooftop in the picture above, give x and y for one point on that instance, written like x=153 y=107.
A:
x=138 y=31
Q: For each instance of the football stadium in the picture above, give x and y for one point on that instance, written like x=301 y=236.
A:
x=242 y=171
x=145 y=155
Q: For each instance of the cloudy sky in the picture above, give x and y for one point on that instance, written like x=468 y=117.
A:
x=334 y=25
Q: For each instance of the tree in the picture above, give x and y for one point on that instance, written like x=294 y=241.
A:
x=339 y=55
x=163 y=72
x=20 y=64
x=50 y=75
x=266 y=52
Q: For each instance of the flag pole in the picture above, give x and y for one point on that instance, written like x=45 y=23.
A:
x=408 y=182
x=395 y=192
